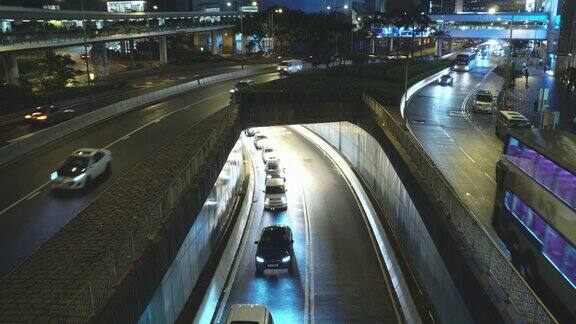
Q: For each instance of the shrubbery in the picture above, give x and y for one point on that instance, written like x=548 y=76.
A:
x=384 y=81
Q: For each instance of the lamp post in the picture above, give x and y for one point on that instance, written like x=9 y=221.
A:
x=345 y=7
x=271 y=23
x=86 y=53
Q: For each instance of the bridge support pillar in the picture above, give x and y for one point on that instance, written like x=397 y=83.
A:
x=450 y=46
x=163 y=50
x=11 y=71
x=213 y=42
x=391 y=43
x=99 y=57
x=439 y=47
x=228 y=43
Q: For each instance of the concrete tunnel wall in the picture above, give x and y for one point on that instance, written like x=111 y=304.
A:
x=180 y=279
x=366 y=155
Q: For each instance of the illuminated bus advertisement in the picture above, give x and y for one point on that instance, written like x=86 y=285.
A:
x=465 y=61
x=535 y=213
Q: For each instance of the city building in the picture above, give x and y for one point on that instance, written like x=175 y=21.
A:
x=567 y=42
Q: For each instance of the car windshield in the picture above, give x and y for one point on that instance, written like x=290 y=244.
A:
x=74 y=166
x=272 y=166
x=273 y=237
x=445 y=77
x=483 y=98
x=274 y=190
x=519 y=123
x=462 y=58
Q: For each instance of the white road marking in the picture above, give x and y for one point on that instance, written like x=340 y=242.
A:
x=489 y=177
x=471 y=159
x=33 y=195
x=112 y=143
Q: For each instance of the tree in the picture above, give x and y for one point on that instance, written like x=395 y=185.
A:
x=439 y=36
x=54 y=73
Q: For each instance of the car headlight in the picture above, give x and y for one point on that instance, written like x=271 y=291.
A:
x=286 y=259
x=79 y=177
x=267 y=201
x=54 y=175
x=455 y=66
x=260 y=260
x=268 y=176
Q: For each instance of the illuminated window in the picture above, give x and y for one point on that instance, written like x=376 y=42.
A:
x=553 y=177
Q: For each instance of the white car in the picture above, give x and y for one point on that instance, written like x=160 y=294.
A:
x=249 y=313
x=275 y=194
x=260 y=141
x=81 y=168
x=251 y=132
x=268 y=153
x=483 y=102
x=274 y=169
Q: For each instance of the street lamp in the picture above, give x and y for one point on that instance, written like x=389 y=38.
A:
x=155 y=7
x=254 y=3
x=229 y=4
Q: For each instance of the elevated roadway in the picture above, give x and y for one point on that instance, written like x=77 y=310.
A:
x=30 y=212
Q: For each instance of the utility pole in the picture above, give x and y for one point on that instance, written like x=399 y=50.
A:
x=86 y=56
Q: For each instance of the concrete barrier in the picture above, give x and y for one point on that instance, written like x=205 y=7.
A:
x=43 y=137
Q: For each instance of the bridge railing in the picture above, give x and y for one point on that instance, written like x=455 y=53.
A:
x=475 y=241
x=18 y=39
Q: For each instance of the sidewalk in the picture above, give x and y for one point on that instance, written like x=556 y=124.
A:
x=522 y=97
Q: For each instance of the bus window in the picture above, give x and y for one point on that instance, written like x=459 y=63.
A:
x=553 y=245
x=528 y=160
x=569 y=263
x=546 y=172
x=538 y=226
x=513 y=150
x=565 y=187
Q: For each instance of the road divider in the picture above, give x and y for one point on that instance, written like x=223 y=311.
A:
x=43 y=137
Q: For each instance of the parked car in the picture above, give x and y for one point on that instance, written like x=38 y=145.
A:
x=260 y=140
x=81 y=168
x=483 y=101
x=249 y=314
x=274 y=169
x=275 y=249
x=510 y=120
x=446 y=79
x=44 y=115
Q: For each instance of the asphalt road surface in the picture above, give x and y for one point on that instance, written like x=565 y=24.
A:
x=13 y=132
x=338 y=277
x=30 y=212
x=466 y=155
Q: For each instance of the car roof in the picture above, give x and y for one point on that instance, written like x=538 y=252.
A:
x=483 y=92
x=247 y=312
x=513 y=115
x=274 y=182
x=85 y=152
x=276 y=228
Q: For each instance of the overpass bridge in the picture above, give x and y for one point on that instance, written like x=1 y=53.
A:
x=25 y=29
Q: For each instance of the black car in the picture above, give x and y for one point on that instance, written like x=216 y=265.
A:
x=446 y=79
x=45 y=115
x=275 y=249
x=244 y=84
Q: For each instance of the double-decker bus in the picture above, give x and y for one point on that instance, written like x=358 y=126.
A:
x=465 y=61
x=535 y=213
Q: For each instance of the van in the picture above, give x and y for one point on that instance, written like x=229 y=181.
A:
x=275 y=194
x=483 y=101
x=249 y=313
x=289 y=67
x=507 y=120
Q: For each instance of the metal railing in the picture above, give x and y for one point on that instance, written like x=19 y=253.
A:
x=103 y=35
x=115 y=265
x=476 y=242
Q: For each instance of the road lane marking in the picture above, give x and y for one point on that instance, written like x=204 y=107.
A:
x=471 y=159
x=33 y=195
x=17 y=139
x=489 y=177
x=112 y=143
x=14 y=204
